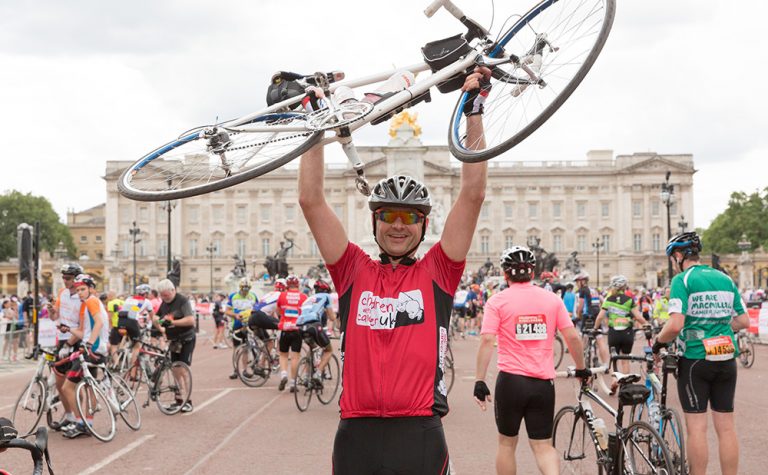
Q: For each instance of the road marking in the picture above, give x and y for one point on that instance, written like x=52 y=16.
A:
x=6 y=407
x=116 y=455
x=241 y=388
x=210 y=401
x=232 y=434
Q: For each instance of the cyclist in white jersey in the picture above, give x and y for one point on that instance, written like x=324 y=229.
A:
x=65 y=311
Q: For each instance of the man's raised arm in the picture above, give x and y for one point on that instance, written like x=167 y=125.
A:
x=329 y=233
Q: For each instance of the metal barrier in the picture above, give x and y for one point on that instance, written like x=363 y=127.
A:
x=14 y=342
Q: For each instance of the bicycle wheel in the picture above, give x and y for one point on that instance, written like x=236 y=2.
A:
x=129 y=408
x=747 y=351
x=672 y=433
x=94 y=408
x=211 y=158
x=450 y=373
x=304 y=385
x=558 y=350
x=573 y=442
x=134 y=375
x=558 y=41
x=254 y=371
x=173 y=388
x=29 y=408
x=644 y=451
x=331 y=378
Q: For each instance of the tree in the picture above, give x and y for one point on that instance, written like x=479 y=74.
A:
x=17 y=208
x=746 y=214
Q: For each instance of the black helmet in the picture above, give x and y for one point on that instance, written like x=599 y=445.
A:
x=281 y=88
x=403 y=191
x=688 y=243
x=518 y=260
x=73 y=269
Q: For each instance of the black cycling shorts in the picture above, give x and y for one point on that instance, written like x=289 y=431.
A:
x=219 y=320
x=317 y=333
x=460 y=311
x=522 y=397
x=130 y=325
x=260 y=322
x=182 y=350
x=290 y=341
x=388 y=446
x=621 y=340
x=63 y=368
x=75 y=372
x=700 y=382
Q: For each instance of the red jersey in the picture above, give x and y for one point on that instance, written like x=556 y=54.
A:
x=289 y=303
x=394 y=325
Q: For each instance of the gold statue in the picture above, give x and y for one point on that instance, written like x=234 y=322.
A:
x=405 y=118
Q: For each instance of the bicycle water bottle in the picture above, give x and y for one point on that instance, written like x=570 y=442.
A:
x=601 y=432
x=401 y=79
x=653 y=413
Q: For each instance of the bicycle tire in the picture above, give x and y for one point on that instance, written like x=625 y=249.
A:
x=129 y=408
x=168 y=383
x=573 y=443
x=304 y=386
x=649 y=446
x=258 y=374
x=331 y=379
x=746 y=358
x=450 y=373
x=29 y=407
x=494 y=116
x=100 y=405
x=558 y=350
x=134 y=382
x=167 y=167
x=673 y=434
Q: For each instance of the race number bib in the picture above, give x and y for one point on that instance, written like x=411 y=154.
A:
x=531 y=327
x=719 y=348
x=620 y=323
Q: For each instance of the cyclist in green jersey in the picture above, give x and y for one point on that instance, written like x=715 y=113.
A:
x=705 y=309
x=622 y=314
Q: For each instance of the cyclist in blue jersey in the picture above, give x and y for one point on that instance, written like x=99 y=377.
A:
x=313 y=319
x=239 y=307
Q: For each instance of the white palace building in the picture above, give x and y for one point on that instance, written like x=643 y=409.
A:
x=567 y=204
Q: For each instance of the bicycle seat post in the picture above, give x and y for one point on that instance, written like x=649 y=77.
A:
x=345 y=139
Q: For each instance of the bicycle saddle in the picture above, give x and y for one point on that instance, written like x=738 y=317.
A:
x=626 y=378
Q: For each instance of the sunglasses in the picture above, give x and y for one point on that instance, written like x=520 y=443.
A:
x=67 y=277
x=406 y=217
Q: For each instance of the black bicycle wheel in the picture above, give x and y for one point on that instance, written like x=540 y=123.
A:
x=129 y=408
x=252 y=365
x=211 y=158
x=450 y=373
x=642 y=450
x=173 y=388
x=94 y=408
x=29 y=408
x=331 y=379
x=304 y=385
x=746 y=351
x=557 y=350
x=559 y=40
x=672 y=431
x=572 y=440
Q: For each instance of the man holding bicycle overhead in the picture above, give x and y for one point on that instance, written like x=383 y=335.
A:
x=525 y=317
x=705 y=309
x=395 y=311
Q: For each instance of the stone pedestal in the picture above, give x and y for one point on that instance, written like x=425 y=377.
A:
x=746 y=272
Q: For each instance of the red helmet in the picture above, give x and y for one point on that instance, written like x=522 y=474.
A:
x=547 y=276
x=322 y=287
x=292 y=281
x=280 y=285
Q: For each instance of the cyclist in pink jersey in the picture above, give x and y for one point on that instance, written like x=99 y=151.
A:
x=525 y=318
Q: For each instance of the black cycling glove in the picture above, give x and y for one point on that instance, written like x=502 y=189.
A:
x=648 y=331
x=476 y=98
x=657 y=346
x=583 y=373
x=481 y=390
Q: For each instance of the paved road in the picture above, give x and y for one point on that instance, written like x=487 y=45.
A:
x=235 y=429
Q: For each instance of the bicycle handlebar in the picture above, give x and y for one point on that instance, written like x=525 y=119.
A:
x=36 y=450
x=448 y=5
x=570 y=372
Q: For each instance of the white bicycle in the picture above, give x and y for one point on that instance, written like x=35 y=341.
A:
x=537 y=60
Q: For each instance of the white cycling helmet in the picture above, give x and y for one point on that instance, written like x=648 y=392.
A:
x=619 y=282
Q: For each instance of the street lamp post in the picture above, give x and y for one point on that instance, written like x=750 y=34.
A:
x=134 y=232
x=168 y=207
x=668 y=198
x=597 y=245
x=683 y=224
x=210 y=248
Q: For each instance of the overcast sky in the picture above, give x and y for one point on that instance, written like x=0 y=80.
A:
x=83 y=82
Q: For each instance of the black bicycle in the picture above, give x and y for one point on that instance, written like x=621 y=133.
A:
x=310 y=381
x=37 y=449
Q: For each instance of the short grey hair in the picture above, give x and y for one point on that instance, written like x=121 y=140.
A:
x=165 y=285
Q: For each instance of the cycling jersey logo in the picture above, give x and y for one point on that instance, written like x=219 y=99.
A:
x=386 y=313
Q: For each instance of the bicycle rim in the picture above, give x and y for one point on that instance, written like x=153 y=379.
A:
x=93 y=407
x=644 y=451
x=450 y=373
x=672 y=433
x=557 y=348
x=573 y=443
x=171 y=391
x=194 y=164
x=129 y=409
x=29 y=408
x=304 y=387
x=515 y=107
x=331 y=379
x=748 y=357
x=252 y=372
